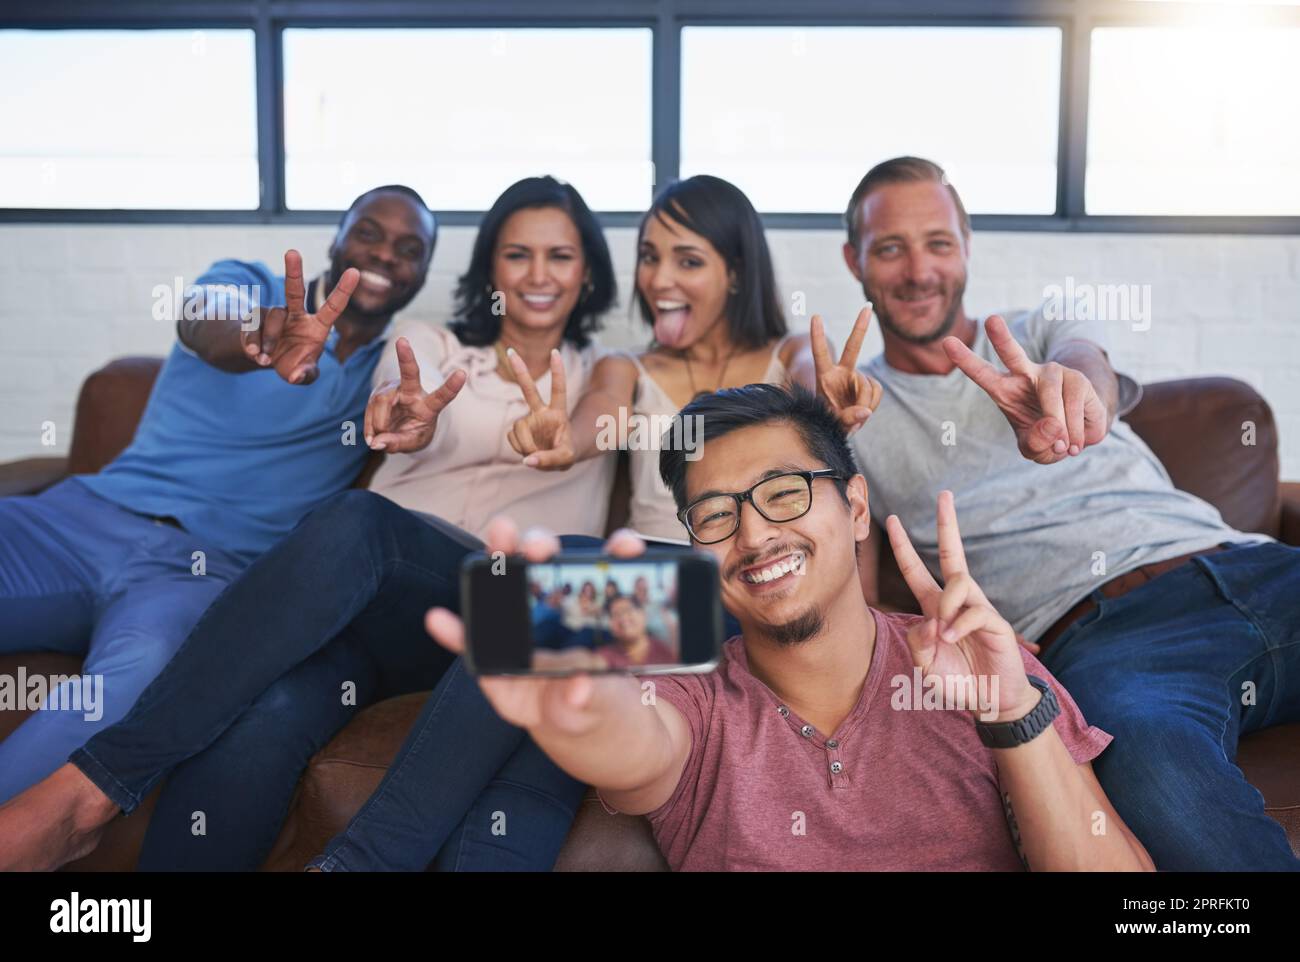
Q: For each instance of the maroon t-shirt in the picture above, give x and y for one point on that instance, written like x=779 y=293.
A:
x=890 y=790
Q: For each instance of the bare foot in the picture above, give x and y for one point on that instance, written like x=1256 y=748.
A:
x=57 y=820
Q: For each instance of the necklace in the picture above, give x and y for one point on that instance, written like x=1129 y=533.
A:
x=721 y=377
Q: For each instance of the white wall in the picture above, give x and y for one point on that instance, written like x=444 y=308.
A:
x=73 y=297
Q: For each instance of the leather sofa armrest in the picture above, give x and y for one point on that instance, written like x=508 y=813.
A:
x=1289 y=528
x=31 y=475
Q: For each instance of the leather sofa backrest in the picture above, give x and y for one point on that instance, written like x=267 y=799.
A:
x=1217 y=439
x=108 y=410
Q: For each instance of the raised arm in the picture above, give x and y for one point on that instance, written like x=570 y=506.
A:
x=596 y=728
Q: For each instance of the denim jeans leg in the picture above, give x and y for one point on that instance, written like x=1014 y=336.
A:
x=455 y=749
x=222 y=809
x=357 y=560
x=1162 y=669
x=519 y=822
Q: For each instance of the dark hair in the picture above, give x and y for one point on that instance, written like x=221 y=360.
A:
x=734 y=408
x=721 y=213
x=609 y=602
x=475 y=323
x=395 y=189
x=900 y=170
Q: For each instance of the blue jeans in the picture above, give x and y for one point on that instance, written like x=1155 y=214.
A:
x=82 y=576
x=1178 y=670
x=325 y=623
x=506 y=786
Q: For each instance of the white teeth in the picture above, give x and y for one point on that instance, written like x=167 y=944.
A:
x=375 y=280
x=670 y=305
x=779 y=570
x=541 y=298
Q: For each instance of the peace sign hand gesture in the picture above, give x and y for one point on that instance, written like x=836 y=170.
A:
x=962 y=635
x=1054 y=410
x=288 y=338
x=401 y=416
x=850 y=393
x=543 y=435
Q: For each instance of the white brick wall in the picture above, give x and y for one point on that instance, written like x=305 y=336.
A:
x=73 y=297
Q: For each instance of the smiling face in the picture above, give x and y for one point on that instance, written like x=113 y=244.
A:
x=780 y=578
x=626 y=622
x=911 y=259
x=389 y=239
x=683 y=279
x=539 y=266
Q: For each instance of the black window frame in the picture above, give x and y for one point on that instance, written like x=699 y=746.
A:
x=268 y=19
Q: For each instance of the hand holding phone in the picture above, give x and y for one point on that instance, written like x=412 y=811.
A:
x=560 y=704
x=595 y=726
x=637 y=611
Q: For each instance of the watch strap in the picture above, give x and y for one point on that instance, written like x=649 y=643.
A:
x=1026 y=729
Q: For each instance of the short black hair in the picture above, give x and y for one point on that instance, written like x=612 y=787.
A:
x=609 y=602
x=475 y=323
x=900 y=170
x=720 y=212
x=395 y=189
x=734 y=408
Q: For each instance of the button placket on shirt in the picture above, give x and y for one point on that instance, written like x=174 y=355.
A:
x=836 y=771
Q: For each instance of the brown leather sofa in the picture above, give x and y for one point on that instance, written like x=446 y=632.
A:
x=1194 y=426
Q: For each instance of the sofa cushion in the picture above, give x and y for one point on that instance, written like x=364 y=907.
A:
x=39 y=663
x=108 y=409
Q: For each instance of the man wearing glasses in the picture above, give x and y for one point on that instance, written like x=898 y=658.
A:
x=798 y=751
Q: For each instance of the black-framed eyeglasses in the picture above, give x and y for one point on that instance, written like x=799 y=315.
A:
x=782 y=497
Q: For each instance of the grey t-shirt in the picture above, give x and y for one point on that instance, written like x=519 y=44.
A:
x=1038 y=538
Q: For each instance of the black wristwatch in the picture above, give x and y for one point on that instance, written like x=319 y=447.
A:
x=1013 y=733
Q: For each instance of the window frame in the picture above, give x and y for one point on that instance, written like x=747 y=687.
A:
x=268 y=19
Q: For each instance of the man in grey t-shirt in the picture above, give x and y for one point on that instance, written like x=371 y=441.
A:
x=1187 y=636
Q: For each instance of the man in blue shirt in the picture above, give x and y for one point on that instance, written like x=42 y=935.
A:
x=255 y=418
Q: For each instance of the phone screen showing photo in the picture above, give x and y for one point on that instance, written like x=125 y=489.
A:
x=630 y=615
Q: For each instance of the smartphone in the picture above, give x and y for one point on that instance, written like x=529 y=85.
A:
x=657 y=613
